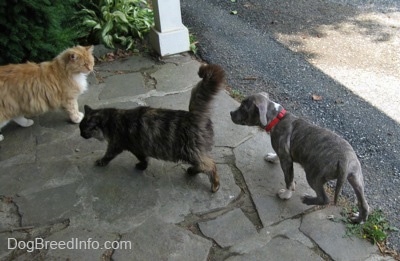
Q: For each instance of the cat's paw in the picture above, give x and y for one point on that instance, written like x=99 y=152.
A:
x=23 y=122
x=141 y=165
x=28 y=123
x=191 y=171
x=101 y=163
x=1 y=137
x=77 y=117
x=215 y=187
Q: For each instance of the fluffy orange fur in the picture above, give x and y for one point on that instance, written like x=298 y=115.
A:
x=30 y=89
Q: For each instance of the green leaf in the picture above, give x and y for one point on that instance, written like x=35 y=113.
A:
x=89 y=12
x=108 y=41
x=107 y=28
x=90 y=23
x=121 y=16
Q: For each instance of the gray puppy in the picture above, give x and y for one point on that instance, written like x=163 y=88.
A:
x=323 y=154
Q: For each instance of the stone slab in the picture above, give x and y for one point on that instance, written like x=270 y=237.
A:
x=24 y=137
x=330 y=236
x=378 y=257
x=124 y=85
x=26 y=179
x=178 y=58
x=226 y=132
x=228 y=229
x=176 y=101
x=116 y=197
x=133 y=64
x=57 y=120
x=9 y=217
x=156 y=240
x=181 y=194
x=91 y=96
x=80 y=244
x=185 y=77
x=280 y=248
x=265 y=179
x=286 y=229
x=49 y=205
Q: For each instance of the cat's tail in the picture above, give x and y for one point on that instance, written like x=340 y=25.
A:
x=203 y=93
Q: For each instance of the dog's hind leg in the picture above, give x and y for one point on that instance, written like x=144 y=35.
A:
x=357 y=182
x=206 y=165
x=318 y=186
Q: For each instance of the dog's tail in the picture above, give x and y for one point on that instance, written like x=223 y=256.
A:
x=203 y=93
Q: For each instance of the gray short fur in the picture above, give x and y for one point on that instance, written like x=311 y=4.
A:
x=323 y=154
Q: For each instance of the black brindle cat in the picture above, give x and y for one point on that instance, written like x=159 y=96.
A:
x=172 y=135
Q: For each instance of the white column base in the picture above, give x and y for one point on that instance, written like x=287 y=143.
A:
x=171 y=42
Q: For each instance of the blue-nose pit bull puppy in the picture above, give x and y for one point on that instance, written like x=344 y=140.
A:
x=323 y=154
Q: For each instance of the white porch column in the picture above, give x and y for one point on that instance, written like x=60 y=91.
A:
x=169 y=35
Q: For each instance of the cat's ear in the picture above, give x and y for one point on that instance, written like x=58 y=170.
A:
x=73 y=57
x=89 y=48
x=87 y=109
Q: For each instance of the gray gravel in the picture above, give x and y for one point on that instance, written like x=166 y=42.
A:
x=246 y=46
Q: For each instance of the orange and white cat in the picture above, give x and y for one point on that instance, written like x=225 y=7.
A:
x=31 y=89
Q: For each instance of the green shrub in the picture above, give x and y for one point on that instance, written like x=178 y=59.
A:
x=36 y=30
x=375 y=229
x=119 y=22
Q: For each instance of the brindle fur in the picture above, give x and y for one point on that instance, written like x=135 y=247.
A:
x=323 y=154
x=172 y=135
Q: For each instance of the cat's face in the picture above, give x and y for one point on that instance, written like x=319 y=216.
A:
x=79 y=59
x=90 y=125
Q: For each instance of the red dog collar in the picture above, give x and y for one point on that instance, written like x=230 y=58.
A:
x=280 y=115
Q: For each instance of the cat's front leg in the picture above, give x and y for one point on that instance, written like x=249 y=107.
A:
x=111 y=153
x=72 y=108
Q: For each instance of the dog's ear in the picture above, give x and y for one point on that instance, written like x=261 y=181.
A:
x=262 y=110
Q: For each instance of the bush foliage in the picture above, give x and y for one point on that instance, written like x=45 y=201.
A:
x=36 y=30
x=117 y=22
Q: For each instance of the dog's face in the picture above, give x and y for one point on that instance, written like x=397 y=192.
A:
x=255 y=110
x=90 y=125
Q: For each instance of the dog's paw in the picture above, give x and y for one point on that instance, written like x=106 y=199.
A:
x=309 y=200
x=271 y=157
x=285 y=193
x=356 y=218
x=1 y=137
